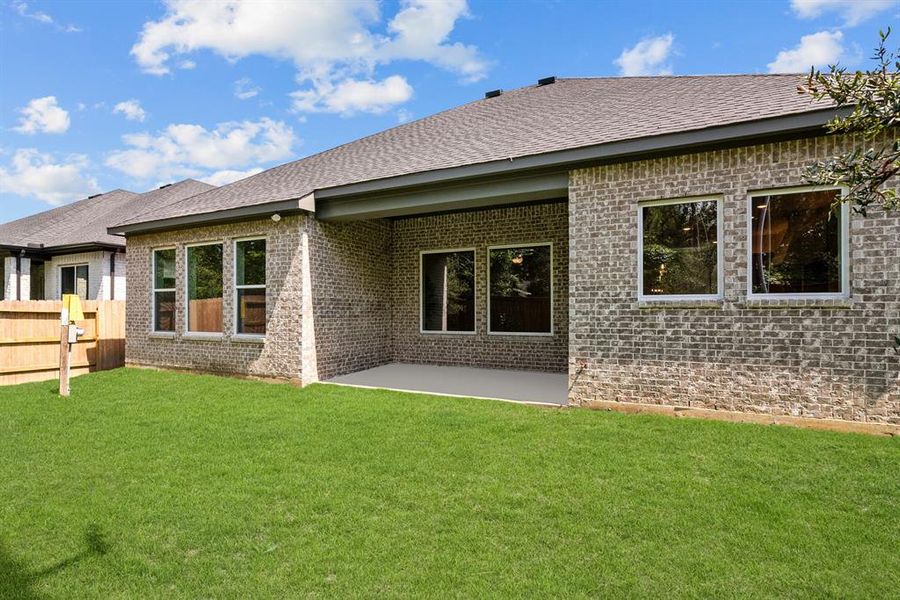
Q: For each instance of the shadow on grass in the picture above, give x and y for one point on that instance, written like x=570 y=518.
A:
x=17 y=582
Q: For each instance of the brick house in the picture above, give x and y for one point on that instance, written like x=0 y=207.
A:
x=67 y=250
x=652 y=238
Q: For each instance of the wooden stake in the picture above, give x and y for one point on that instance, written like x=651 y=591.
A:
x=64 y=352
x=64 y=360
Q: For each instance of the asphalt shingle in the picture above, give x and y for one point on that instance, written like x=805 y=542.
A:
x=570 y=113
x=86 y=221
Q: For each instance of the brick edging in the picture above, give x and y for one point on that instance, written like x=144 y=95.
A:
x=742 y=417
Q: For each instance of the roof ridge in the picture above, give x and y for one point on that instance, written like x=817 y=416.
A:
x=673 y=76
x=151 y=207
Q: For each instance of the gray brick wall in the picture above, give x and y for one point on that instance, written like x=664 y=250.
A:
x=279 y=356
x=832 y=359
x=479 y=229
x=350 y=266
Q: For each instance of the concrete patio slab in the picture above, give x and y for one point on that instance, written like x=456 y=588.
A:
x=498 y=384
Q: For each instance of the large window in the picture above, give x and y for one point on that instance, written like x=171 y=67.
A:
x=797 y=243
x=448 y=291
x=204 y=288
x=250 y=287
x=74 y=280
x=679 y=249
x=520 y=291
x=164 y=289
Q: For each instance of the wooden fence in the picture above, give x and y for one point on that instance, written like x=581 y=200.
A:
x=29 y=339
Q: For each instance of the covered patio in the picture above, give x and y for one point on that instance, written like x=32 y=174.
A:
x=532 y=387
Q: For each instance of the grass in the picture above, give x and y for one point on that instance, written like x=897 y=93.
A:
x=149 y=484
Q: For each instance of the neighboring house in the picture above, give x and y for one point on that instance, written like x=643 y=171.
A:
x=67 y=250
x=653 y=237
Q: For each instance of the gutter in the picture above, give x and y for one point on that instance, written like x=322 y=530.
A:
x=41 y=251
x=232 y=214
x=631 y=149
x=557 y=161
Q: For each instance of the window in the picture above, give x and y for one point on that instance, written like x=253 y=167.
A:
x=250 y=287
x=520 y=295
x=448 y=291
x=164 y=289
x=798 y=244
x=2 y=277
x=204 y=288
x=74 y=280
x=36 y=278
x=679 y=250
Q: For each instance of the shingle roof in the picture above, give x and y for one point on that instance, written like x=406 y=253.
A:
x=570 y=113
x=86 y=221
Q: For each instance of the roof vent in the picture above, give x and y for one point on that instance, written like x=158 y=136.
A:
x=165 y=186
x=547 y=80
x=493 y=93
x=94 y=196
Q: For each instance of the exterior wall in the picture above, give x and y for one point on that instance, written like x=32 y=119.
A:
x=828 y=359
x=479 y=229
x=350 y=272
x=9 y=278
x=278 y=355
x=24 y=279
x=98 y=274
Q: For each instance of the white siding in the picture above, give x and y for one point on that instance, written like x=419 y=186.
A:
x=98 y=273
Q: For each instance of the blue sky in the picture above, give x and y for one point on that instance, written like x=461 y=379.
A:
x=100 y=95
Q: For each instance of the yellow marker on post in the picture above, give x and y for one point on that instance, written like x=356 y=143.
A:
x=71 y=312
x=72 y=304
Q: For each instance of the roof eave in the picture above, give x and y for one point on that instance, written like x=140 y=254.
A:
x=710 y=136
x=62 y=249
x=761 y=129
x=232 y=214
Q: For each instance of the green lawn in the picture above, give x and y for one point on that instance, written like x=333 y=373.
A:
x=150 y=484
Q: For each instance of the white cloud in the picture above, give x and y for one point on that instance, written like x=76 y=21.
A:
x=351 y=96
x=817 y=49
x=43 y=115
x=131 y=109
x=853 y=12
x=22 y=10
x=647 y=57
x=332 y=44
x=421 y=30
x=244 y=89
x=36 y=175
x=227 y=176
x=184 y=150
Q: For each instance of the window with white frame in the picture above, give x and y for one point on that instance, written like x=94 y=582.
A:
x=250 y=287
x=520 y=289
x=798 y=243
x=679 y=249
x=448 y=291
x=164 y=289
x=73 y=279
x=204 y=288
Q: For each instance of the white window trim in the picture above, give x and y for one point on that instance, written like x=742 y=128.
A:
x=235 y=334
x=720 y=252
x=552 y=331
x=422 y=329
x=844 y=238
x=200 y=335
x=154 y=289
x=74 y=266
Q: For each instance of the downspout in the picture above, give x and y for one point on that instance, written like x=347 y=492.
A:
x=19 y=275
x=112 y=275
